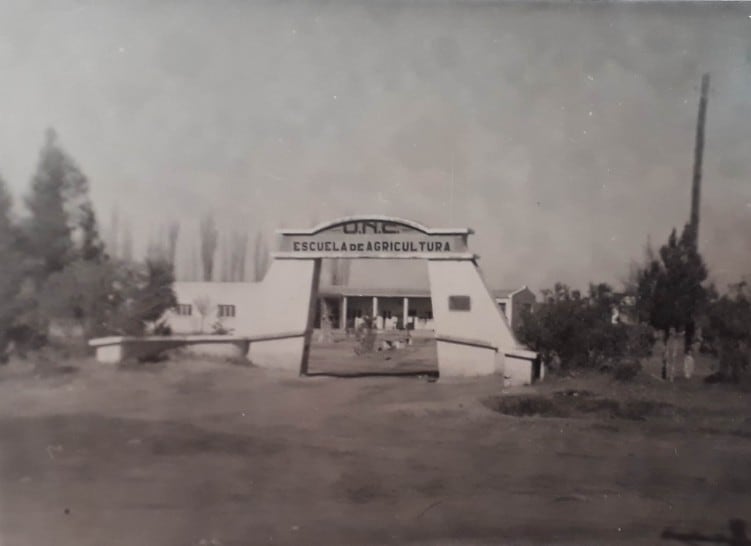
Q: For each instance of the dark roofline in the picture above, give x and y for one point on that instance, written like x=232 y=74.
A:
x=359 y=291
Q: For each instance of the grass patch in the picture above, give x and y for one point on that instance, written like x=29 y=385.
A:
x=579 y=404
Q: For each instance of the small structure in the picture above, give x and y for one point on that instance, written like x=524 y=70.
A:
x=514 y=303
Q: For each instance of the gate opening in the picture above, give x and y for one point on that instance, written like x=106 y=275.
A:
x=362 y=331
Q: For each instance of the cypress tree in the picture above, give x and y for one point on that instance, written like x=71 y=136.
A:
x=62 y=225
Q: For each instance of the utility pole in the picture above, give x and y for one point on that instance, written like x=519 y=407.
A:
x=696 y=190
x=698 y=159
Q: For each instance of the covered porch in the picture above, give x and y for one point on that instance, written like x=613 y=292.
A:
x=344 y=308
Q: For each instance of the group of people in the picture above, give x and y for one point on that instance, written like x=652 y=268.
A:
x=676 y=354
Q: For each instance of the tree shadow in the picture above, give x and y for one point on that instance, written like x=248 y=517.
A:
x=737 y=536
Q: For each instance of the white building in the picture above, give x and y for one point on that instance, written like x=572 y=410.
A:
x=216 y=307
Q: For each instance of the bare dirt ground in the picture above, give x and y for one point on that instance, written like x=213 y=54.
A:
x=190 y=452
x=338 y=357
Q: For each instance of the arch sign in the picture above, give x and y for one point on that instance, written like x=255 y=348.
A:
x=473 y=337
x=375 y=237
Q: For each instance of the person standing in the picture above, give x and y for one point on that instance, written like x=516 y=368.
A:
x=672 y=354
x=688 y=365
x=689 y=362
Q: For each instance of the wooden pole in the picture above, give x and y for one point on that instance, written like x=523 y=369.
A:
x=698 y=160
x=696 y=189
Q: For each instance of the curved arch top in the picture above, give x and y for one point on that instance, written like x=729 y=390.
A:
x=374 y=236
x=374 y=218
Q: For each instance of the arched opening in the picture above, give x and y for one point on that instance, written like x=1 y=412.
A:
x=471 y=336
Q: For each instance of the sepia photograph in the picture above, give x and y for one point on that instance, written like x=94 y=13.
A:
x=375 y=272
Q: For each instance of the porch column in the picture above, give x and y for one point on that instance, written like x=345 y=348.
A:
x=405 y=313
x=343 y=314
x=375 y=306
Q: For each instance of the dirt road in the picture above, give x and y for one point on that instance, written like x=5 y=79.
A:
x=210 y=453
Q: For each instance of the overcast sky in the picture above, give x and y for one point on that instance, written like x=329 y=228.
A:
x=562 y=133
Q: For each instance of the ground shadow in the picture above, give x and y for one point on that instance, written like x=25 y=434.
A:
x=355 y=374
x=737 y=536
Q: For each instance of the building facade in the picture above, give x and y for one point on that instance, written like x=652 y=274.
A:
x=221 y=307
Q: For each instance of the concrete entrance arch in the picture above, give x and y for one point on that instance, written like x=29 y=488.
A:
x=472 y=335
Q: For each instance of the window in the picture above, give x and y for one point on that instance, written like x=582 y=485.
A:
x=459 y=303
x=184 y=309
x=225 y=311
x=412 y=313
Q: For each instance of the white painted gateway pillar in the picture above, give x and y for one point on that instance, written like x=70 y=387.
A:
x=471 y=334
x=285 y=312
x=468 y=324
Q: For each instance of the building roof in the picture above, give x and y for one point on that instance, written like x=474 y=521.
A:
x=370 y=291
x=508 y=292
x=353 y=291
x=217 y=288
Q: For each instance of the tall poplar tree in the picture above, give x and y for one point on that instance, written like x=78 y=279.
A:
x=209 y=237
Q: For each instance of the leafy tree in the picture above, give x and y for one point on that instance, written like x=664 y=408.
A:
x=127 y=246
x=11 y=271
x=109 y=298
x=260 y=258
x=203 y=306
x=339 y=271
x=82 y=296
x=173 y=232
x=113 y=236
x=209 y=236
x=670 y=291
x=577 y=329
x=238 y=256
x=156 y=294
x=729 y=328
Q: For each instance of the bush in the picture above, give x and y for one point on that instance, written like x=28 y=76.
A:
x=729 y=331
x=578 y=332
x=626 y=370
x=640 y=340
x=161 y=328
x=219 y=329
x=107 y=298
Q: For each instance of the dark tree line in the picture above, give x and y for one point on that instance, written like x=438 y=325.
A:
x=669 y=291
x=56 y=272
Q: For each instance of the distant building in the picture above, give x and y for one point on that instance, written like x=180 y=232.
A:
x=514 y=303
x=224 y=306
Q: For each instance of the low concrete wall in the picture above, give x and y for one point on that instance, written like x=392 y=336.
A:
x=278 y=354
x=224 y=349
x=519 y=367
x=112 y=350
